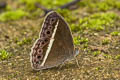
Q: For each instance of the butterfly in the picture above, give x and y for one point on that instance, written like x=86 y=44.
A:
x=54 y=45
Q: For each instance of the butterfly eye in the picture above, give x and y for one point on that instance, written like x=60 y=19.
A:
x=52 y=20
x=40 y=57
x=39 y=51
x=48 y=32
x=42 y=43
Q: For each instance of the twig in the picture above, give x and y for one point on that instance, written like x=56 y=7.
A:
x=61 y=7
x=69 y=4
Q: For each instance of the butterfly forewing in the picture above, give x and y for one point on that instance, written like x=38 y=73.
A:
x=40 y=46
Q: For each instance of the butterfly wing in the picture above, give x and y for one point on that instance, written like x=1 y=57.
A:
x=55 y=44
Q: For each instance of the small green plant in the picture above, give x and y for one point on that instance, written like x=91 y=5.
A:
x=117 y=57
x=115 y=33
x=105 y=41
x=12 y=15
x=75 y=28
x=80 y=40
x=83 y=40
x=98 y=21
x=85 y=45
x=77 y=40
x=24 y=41
x=29 y=4
x=98 y=68
x=103 y=5
x=4 y=54
x=107 y=56
x=96 y=53
x=118 y=5
x=8 y=8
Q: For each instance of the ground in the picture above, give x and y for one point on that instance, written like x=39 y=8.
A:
x=96 y=30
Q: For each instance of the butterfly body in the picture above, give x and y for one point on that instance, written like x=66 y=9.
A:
x=54 y=45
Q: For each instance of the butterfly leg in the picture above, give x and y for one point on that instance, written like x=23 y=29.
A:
x=60 y=67
x=77 y=62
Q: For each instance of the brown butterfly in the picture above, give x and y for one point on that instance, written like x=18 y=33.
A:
x=54 y=45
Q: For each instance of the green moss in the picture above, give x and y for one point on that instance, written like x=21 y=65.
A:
x=105 y=41
x=115 y=33
x=96 y=53
x=80 y=40
x=103 y=5
x=107 y=56
x=4 y=54
x=98 y=21
x=77 y=40
x=98 y=68
x=75 y=28
x=85 y=45
x=30 y=4
x=13 y=15
x=8 y=7
x=83 y=40
x=118 y=5
x=36 y=13
x=24 y=41
x=117 y=57
x=82 y=3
